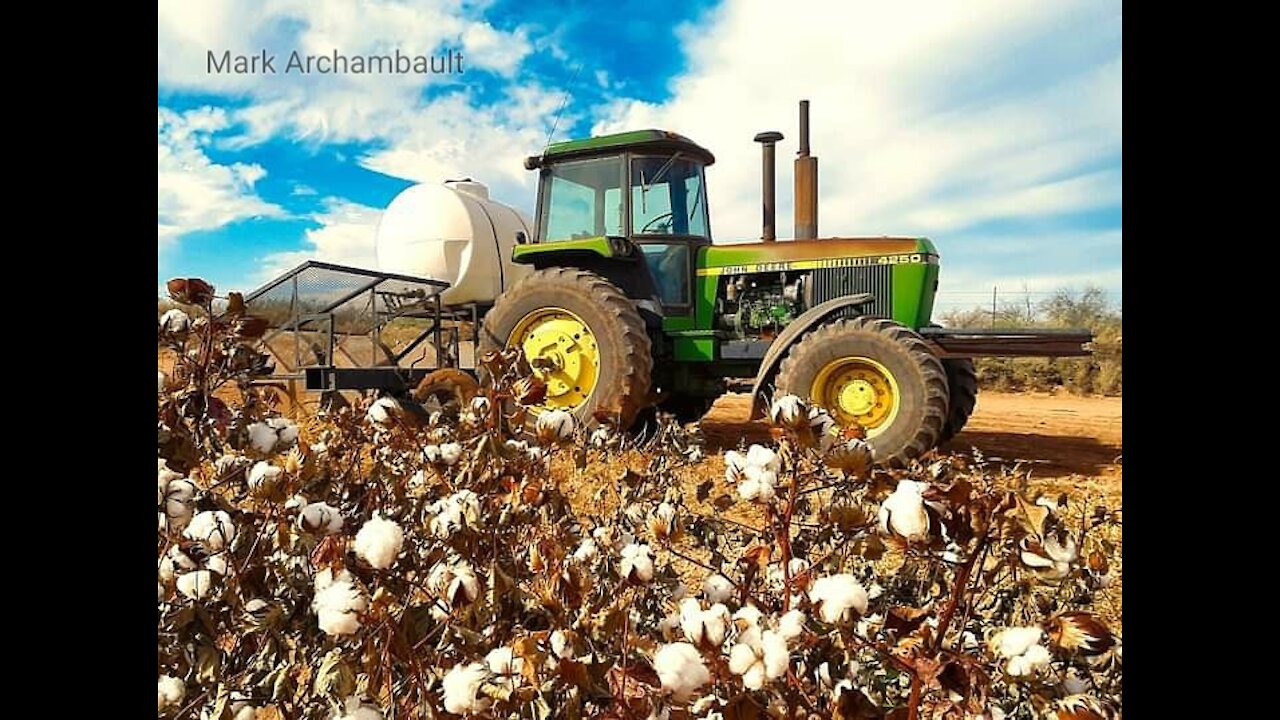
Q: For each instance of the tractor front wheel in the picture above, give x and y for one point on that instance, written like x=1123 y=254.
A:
x=874 y=373
x=582 y=336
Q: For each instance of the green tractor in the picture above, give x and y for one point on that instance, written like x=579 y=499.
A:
x=631 y=305
x=621 y=302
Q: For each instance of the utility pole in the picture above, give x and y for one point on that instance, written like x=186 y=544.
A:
x=993 y=306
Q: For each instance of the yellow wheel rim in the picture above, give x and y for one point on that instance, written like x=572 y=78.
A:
x=563 y=353
x=858 y=390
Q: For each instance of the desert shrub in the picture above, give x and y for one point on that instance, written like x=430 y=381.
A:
x=1089 y=308
x=375 y=562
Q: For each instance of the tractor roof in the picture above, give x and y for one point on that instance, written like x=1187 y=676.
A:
x=641 y=140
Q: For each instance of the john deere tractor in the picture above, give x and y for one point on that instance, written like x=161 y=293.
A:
x=622 y=302
x=631 y=304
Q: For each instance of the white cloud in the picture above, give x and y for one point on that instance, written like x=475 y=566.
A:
x=196 y=193
x=927 y=117
x=345 y=237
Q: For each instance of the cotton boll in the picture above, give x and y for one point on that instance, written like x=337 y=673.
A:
x=286 y=430
x=789 y=411
x=903 y=513
x=561 y=645
x=776 y=657
x=480 y=406
x=747 y=616
x=450 y=453
x=229 y=463
x=758 y=485
x=586 y=552
x=213 y=529
x=379 y=541
x=320 y=518
x=504 y=663
x=170 y=692
x=637 y=563
x=262 y=437
x=338 y=602
x=384 y=411
x=680 y=669
x=462 y=689
x=1014 y=641
x=196 y=584
x=555 y=426
x=734 y=465
x=763 y=457
x=175 y=322
x=355 y=709
x=263 y=476
x=216 y=563
x=175 y=561
x=717 y=588
x=838 y=598
x=179 y=496
x=704 y=628
x=759 y=657
x=431 y=453
x=600 y=437
x=791 y=625
x=455 y=583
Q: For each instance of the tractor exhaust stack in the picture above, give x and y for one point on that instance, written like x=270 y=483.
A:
x=806 y=172
x=768 y=141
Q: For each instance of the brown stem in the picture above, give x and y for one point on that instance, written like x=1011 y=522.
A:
x=958 y=590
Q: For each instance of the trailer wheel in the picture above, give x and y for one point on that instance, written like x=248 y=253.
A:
x=962 y=379
x=446 y=388
x=583 y=337
x=875 y=373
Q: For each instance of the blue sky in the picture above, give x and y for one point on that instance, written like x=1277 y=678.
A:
x=992 y=127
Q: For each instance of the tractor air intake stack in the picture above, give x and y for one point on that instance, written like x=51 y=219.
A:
x=806 y=198
x=768 y=140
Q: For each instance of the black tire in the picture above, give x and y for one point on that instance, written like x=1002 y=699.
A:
x=448 y=389
x=962 y=379
x=625 y=351
x=920 y=377
x=687 y=408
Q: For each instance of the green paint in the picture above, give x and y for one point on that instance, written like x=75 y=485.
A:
x=598 y=245
x=913 y=293
x=688 y=349
x=678 y=323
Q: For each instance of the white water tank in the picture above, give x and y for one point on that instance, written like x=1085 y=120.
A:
x=453 y=232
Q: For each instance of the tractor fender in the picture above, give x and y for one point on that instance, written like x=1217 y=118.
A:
x=808 y=320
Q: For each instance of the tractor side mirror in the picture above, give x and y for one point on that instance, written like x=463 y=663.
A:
x=521 y=238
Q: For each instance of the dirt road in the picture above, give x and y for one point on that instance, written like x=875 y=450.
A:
x=1056 y=435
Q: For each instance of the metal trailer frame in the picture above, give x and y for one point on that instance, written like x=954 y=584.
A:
x=317 y=295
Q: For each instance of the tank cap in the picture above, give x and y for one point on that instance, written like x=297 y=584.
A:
x=470 y=187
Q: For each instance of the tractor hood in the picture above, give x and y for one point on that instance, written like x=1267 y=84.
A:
x=811 y=254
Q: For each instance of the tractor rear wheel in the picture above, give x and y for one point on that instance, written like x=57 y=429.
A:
x=962 y=379
x=583 y=337
x=875 y=373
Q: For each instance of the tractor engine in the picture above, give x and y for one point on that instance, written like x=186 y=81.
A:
x=759 y=306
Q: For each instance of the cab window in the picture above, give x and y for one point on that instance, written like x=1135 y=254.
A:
x=583 y=200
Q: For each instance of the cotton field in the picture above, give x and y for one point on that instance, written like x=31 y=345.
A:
x=370 y=562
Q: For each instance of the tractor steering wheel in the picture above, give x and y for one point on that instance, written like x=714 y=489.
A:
x=654 y=221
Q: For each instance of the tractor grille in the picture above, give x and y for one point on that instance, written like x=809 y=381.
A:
x=831 y=283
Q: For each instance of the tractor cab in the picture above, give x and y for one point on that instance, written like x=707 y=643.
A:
x=608 y=195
